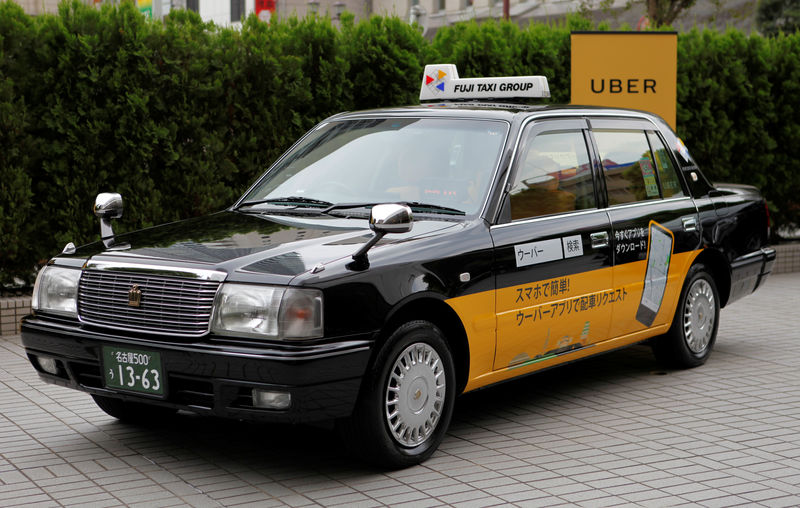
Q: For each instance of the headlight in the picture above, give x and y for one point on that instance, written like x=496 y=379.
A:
x=56 y=291
x=267 y=312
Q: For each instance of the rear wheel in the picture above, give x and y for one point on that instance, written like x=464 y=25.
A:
x=407 y=399
x=690 y=339
x=133 y=412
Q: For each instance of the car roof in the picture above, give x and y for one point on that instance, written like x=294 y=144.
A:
x=495 y=111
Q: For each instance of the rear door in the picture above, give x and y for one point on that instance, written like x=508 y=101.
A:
x=553 y=261
x=655 y=228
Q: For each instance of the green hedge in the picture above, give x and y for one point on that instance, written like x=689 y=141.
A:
x=181 y=116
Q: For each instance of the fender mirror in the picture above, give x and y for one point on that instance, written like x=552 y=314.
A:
x=107 y=206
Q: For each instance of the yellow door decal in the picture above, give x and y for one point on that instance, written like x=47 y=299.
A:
x=566 y=321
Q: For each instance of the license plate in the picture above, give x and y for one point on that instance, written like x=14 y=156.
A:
x=133 y=370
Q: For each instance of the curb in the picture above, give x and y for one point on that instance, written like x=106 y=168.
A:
x=11 y=312
x=787 y=258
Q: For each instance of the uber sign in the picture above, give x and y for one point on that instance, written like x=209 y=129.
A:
x=635 y=70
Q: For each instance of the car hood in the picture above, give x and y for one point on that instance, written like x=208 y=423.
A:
x=238 y=243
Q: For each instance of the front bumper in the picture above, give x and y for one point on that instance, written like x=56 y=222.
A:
x=213 y=379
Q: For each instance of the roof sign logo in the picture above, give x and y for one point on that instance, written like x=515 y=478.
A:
x=441 y=82
x=435 y=80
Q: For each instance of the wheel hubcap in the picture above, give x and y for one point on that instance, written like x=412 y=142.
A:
x=698 y=316
x=415 y=395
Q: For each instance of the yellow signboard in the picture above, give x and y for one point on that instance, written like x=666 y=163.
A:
x=636 y=70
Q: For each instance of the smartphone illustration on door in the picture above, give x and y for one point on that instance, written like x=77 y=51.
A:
x=659 y=255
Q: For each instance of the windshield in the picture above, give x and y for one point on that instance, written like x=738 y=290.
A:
x=444 y=163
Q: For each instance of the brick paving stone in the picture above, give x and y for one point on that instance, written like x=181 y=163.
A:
x=201 y=501
x=420 y=503
x=484 y=502
x=229 y=493
x=761 y=495
x=781 y=502
x=459 y=497
x=492 y=482
x=583 y=496
x=407 y=497
x=37 y=501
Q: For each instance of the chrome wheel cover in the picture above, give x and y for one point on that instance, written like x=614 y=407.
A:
x=699 y=315
x=415 y=395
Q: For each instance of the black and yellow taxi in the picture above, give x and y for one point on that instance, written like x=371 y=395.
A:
x=393 y=259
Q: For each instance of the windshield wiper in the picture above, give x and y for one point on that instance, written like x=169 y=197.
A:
x=428 y=207
x=421 y=207
x=289 y=201
x=326 y=207
x=345 y=206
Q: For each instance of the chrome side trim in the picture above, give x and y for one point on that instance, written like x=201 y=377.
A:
x=549 y=217
x=164 y=271
x=591 y=210
x=650 y=202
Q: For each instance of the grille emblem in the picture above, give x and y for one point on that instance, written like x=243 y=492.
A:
x=134 y=296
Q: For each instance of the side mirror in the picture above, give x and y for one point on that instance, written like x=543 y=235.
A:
x=385 y=218
x=107 y=206
x=390 y=218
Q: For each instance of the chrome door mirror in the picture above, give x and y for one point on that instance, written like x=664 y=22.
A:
x=391 y=218
x=107 y=206
x=385 y=218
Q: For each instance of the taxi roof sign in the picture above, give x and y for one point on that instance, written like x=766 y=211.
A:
x=441 y=82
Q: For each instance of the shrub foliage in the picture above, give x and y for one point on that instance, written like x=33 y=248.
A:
x=180 y=116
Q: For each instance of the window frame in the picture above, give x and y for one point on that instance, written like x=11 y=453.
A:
x=644 y=126
x=656 y=132
x=529 y=131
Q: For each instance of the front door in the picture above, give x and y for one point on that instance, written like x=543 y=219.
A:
x=553 y=261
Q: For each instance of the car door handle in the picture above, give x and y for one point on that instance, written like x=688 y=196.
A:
x=599 y=240
x=689 y=223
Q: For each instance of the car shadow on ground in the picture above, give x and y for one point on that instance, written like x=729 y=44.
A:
x=309 y=449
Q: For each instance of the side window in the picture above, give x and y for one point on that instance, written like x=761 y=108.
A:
x=670 y=185
x=628 y=166
x=553 y=176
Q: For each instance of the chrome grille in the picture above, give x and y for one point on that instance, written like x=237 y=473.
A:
x=169 y=305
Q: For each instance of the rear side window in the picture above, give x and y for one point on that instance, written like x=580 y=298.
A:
x=628 y=166
x=554 y=176
x=670 y=185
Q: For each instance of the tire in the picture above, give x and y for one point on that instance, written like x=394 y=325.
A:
x=406 y=400
x=133 y=412
x=690 y=339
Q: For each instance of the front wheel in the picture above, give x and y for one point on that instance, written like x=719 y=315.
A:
x=407 y=399
x=690 y=339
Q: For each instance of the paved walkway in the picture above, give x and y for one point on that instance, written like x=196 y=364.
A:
x=614 y=430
